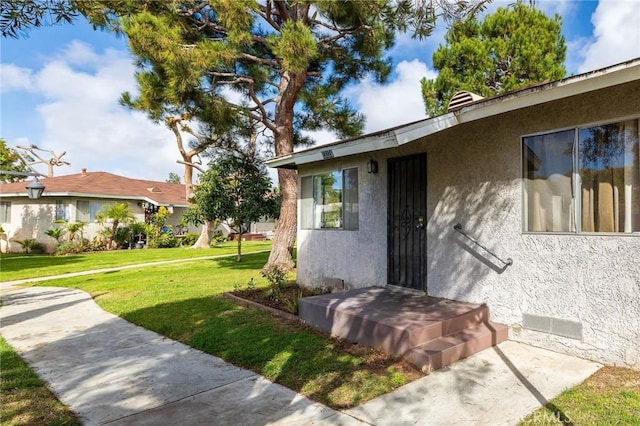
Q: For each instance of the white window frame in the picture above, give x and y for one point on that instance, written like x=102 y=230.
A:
x=576 y=182
x=5 y=211
x=310 y=210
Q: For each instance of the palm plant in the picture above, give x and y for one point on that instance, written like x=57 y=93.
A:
x=29 y=244
x=56 y=233
x=118 y=213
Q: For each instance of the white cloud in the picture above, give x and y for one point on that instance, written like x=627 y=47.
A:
x=13 y=78
x=396 y=103
x=81 y=115
x=616 y=36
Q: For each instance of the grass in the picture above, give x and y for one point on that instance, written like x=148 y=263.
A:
x=610 y=397
x=25 y=398
x=185 y=303
x=23 y=266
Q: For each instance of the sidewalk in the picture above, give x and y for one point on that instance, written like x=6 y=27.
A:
x=112 y=372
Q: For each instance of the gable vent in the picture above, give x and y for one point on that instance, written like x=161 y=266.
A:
x=462 y=99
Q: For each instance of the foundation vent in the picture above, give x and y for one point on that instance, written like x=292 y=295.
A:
x=558 y=326
x=462 y=99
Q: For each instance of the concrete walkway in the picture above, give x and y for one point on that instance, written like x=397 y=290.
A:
x=112 y=372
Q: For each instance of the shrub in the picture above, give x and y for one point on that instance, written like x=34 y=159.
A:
x=165 y=240
x=30 y=245
x=190 y=238
x=74 y=247
x=123 y=235
x=275 y=276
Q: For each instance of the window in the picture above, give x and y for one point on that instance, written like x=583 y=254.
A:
x=330 y=200
x=94 y=210
x=583 y=180
x=62 y=210
x=82 y=211
x=5 y=211
x=87 y=211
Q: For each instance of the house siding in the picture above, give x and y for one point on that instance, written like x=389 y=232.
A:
x=587 y=285
x=32 y=218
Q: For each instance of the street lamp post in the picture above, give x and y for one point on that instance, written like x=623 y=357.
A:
x=35 y=188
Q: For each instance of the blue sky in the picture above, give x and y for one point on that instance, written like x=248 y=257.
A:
x=60 y=87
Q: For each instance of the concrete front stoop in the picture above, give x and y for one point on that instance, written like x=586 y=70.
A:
x=429 y=332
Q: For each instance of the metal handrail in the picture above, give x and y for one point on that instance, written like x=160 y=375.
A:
x=506 y=263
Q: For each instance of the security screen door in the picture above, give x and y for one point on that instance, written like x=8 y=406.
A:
x=406 y=223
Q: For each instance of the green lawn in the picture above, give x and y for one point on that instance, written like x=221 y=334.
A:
x=25 y=398
x=610 y=397
x=22 y=266
x=185 y=303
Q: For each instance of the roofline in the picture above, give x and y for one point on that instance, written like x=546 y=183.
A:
x=529 y=96
x=99 y=196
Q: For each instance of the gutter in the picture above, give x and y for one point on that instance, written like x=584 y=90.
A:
x=523 y=98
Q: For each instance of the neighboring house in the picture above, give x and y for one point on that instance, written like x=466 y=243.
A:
x=79 y=198
x=547 y=176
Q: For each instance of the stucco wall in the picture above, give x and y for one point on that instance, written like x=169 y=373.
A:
x=31 y=218
x=357 y=258
x=474 y=178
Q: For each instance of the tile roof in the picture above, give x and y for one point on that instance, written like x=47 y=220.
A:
x=103 y=184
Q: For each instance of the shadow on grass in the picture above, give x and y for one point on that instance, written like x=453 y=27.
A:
x=13 y=263
x=253 y=261
x=285 y=352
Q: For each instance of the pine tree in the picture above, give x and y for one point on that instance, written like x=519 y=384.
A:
x=509 y=49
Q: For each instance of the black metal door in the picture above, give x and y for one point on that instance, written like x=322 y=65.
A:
x=406 y=223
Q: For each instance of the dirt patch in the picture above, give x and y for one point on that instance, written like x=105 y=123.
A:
x=283 y=300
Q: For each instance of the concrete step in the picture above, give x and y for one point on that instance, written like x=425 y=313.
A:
x=392 y=330
x=450 y=348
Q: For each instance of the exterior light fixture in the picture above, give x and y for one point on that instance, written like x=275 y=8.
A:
x=35 y=188
x=372 y=166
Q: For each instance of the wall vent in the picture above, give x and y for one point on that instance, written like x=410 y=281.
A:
x=558 y=326
x=328 y=154
x=462 y=99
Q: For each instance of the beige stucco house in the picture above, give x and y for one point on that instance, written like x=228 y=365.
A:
x=79 y=197
x=528 y=202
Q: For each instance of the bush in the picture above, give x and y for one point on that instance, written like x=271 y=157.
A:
x=122 y=237
x=30 y=245
x=190 y=238
x=275 y=275
x=69 y=247
x=218 y=237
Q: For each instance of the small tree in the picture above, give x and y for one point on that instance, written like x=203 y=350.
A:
x=236 y=189
x=118 y=213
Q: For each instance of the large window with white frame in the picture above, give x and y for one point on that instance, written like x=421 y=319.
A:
x=330 y=200
x=583 y=180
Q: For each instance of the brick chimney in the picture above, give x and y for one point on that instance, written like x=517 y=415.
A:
x=84 y=171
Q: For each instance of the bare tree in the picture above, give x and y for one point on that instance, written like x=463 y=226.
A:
x=54 y=160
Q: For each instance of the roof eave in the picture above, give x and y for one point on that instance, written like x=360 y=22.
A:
x=571 y=86
x=98 y=196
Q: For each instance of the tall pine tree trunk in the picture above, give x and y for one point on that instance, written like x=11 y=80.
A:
x=281 y=255
x=285 y=233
